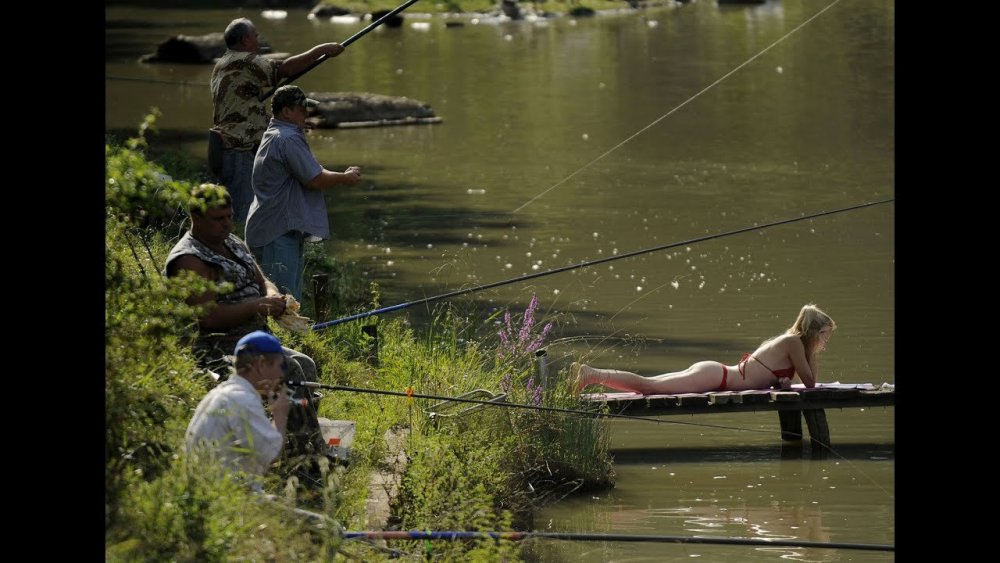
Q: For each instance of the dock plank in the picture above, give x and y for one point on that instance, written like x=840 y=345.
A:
x=797 y=397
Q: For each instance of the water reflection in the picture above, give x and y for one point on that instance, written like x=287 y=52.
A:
x=795 y=502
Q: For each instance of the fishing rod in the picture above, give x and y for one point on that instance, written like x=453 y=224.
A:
x=459 y=292
x=517 y=536
x=594 y=414
x=588 y=413
x=351 y=39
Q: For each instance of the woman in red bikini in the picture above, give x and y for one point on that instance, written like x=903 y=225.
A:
x=774 y=363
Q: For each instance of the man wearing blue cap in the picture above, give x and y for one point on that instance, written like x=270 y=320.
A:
x=230 y=424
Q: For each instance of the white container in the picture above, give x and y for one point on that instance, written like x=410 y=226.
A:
x=338 y=436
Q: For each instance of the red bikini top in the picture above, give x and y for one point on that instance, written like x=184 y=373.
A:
x=781 y=373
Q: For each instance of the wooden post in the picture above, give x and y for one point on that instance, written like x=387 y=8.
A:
x=372 y=331
x=319 y=294
x=791 y=424
x=542 y=365
x=819 y=431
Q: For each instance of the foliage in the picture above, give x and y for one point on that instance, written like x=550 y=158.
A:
x=191 y=513
x=440 y=490
x=344 y=286
x=482 y=470
x=148 y=379
x=138 y=191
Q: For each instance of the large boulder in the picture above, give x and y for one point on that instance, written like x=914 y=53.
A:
x=193 y=49
x=326 y=11
x=363 y=109
x=395 y=21
x=510 y=9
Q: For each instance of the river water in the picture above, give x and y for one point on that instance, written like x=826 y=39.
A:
x=570 y=140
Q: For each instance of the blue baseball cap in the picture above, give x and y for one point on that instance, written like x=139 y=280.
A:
x=259 y=342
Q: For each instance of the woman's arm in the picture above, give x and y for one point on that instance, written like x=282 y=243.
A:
x=804 y=367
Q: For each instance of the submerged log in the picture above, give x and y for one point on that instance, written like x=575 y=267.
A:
x=363 y=109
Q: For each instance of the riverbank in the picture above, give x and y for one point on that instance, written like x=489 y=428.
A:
x=485 y=470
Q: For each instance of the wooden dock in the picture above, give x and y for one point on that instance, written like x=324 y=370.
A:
x=792 y=404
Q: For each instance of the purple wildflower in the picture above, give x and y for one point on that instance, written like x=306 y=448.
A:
x=534 y=392
x=529 y=320
x=537 y=343
x=505 y=382
x=518 y=343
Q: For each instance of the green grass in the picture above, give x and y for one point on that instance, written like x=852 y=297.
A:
x=465 y=473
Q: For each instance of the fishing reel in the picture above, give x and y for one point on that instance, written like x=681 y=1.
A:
x=290 y=393
x=299 y=393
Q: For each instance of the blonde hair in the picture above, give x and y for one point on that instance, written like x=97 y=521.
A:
x=810 y=321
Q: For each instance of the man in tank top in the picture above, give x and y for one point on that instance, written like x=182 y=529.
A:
x=211 y=250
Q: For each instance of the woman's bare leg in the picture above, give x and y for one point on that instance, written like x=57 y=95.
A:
x=699 y=378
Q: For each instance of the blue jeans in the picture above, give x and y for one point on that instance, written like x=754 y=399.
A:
x=283 y=262
x=237 y=166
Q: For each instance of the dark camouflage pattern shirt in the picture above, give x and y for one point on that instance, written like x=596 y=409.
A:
x=237 y=79
x=242 y=273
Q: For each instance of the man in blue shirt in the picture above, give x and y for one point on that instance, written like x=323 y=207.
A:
x=289 y=209
x=239 y=117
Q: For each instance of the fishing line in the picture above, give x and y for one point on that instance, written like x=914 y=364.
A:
x=854 y=467
x=591 y=414
x=641 y=297
x=517 y=536
x=265 y=95
x=526 y=277
x=682 y=104
x=137 y=260
x=410 y=395
x=600 y=339
x=158 y=81
x=149 y=251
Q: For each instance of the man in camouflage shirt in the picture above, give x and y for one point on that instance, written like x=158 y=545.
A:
x=240 y=119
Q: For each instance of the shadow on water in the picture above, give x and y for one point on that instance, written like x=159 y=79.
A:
x=388 y=214
x=125 y=49
x=164 y=139
x=753 y=453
